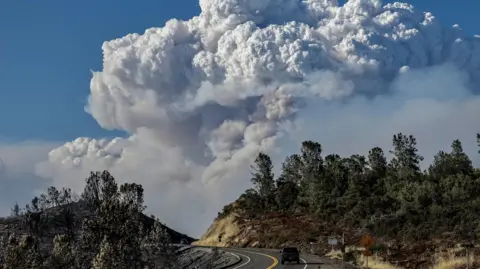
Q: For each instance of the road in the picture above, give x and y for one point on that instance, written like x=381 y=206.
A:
x=269 y=259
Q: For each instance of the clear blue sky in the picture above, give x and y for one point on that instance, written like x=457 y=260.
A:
x=47 y=49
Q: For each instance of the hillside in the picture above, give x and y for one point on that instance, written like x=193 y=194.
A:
x=186 y=257
x=417 y=218
x=103 y=228
x=80 y=211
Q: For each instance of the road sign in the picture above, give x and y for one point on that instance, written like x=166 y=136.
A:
x=367 y=241
x=332 y=241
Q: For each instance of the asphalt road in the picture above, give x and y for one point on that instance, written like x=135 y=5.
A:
x=268 y=259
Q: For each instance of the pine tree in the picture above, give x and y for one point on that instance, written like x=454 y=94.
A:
x=450 y=164
x=15 y=211
x=292 y=169
x=13 y=256
x=286 y=194
x=63 y=255
x=263 y=179
x=157 y=250
x=478 y=141
x=460 y=161
x=107 y=257
x=406 y=161
x=312 y=184
x=22 y=254
x=377 y=162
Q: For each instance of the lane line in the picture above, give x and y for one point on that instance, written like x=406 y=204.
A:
x=275 y=261
x=241 y=265
x=305 y=262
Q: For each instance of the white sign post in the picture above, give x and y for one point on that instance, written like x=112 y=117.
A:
x=332 y=241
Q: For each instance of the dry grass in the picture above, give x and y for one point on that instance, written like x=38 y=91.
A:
x=335 y=255
x=373 y=262
x=447 y=261
x=376 y=263
x=452 y=262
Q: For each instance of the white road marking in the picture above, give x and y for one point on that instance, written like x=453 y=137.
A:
x=241 y=265
x=248 y=258
x=305 y=262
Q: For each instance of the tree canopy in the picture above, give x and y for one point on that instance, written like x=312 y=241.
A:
x=385 y=197
x=114 y=235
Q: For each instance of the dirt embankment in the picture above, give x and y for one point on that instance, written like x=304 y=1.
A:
x=272 y=230
x=229 y=230
x=276 y=230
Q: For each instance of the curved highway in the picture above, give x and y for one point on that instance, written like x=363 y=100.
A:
x=269 y=259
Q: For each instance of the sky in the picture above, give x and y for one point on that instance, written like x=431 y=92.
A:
x=48 y=51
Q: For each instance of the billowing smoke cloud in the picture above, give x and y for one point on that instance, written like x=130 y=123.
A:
x=201 y=97
x=18 y=181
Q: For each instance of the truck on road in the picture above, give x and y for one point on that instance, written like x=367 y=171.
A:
x=290 y=254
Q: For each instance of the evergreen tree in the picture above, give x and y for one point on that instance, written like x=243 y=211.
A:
x=63 y=255
x=157 y=250
x=450 y=164
x=377 y=162
x=406 y=161
x=53 y=196
x=107 y=257
x=263 y=179
x=312 y=174
x=15 y=211
x=292 y=169
x=286 y=194
x=460 y=161
x=478 y=141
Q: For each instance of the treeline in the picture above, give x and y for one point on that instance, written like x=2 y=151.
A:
x=104 y=228
x=368 y=192
x=52 y=198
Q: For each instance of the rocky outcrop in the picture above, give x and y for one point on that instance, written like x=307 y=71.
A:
x=227 y=229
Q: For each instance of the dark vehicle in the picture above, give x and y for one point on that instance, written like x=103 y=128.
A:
x=290 y=254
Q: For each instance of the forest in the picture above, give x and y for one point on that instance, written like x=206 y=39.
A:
x=369 y=192
x=103 y=228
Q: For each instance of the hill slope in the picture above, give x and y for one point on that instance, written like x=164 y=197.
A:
x=415 y=217
x=54 y=222
x=105 y=228
x=276 y=230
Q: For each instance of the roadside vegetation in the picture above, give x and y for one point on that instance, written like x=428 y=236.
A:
x=413 y=212
x=104 y=228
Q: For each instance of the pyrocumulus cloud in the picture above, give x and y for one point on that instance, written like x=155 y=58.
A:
x=200 y=98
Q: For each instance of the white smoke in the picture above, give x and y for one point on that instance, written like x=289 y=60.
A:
x=200 y=98
x=17 y=172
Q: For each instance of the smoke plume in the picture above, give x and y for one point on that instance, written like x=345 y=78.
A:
x=200 y=98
